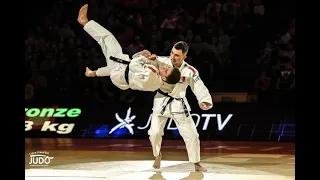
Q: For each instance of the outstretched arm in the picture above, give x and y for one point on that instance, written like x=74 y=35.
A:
x=200 y=90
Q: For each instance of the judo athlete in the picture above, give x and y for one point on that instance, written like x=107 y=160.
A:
x=170 y=102
x=136 y=74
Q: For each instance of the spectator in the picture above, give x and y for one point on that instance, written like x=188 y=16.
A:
x=289 y=52
x=224 y=40
x=265 y=60
x=29 y=91
x=262 y=86
x=287 y=36
x=258 y=8
x=286 y=84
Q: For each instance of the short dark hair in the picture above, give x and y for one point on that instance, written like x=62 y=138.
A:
x=183 y=46
x=174 y=77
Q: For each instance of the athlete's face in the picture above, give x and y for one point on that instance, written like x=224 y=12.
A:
x=164 y=72
x=177 y=57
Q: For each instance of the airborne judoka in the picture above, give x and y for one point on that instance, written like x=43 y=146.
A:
x=138 y=73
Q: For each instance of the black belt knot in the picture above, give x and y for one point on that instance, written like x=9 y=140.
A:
x=170 y=100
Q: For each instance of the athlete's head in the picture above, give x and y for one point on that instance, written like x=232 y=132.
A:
x=179 y=53
x=169 y=75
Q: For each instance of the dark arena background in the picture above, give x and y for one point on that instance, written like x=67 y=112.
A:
x=244 y=51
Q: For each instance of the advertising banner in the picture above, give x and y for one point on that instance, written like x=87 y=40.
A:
x=245 y=122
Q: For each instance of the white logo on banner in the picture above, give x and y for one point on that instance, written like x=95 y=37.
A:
x=124 y=123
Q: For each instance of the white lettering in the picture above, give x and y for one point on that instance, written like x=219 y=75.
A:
x=47 y=160
x=170 y=126
x=49 y=126
x=65 y=128
x=62 y=128
x=206 y=121
x=28 y=125
x=198 y=118
x=170 y=121
x=148 y=123
x=39 y=160
x=220 y=124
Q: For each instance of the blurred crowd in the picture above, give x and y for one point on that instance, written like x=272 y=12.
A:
x=236 y=45
x=276 y=80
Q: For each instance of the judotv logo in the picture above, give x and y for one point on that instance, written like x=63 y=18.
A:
x=127 y=121
x=64 y=128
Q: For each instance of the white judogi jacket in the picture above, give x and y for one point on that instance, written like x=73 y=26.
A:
x=189 y=77
x=142 y=75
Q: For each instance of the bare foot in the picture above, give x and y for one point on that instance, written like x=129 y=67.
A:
x=157 y=162
x=90 y=73
x=198 y=167
x=82 y=16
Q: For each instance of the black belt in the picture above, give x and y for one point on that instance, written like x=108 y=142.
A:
x=119 y=60
x=170 y=100
x=126 y=72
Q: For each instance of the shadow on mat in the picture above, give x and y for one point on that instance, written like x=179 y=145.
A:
x=192 y=176
x=157 y=176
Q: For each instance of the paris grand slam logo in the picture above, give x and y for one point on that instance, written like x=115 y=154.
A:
x=40 y=158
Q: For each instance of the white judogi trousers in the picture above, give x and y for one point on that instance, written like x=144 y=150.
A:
x=185 y=125
x=109 y=45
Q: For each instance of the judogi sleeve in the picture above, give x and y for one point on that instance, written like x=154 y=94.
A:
x=146 y=77
x=137 y=54
x=198 y=88
x=161 y=60
x=157 y=62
